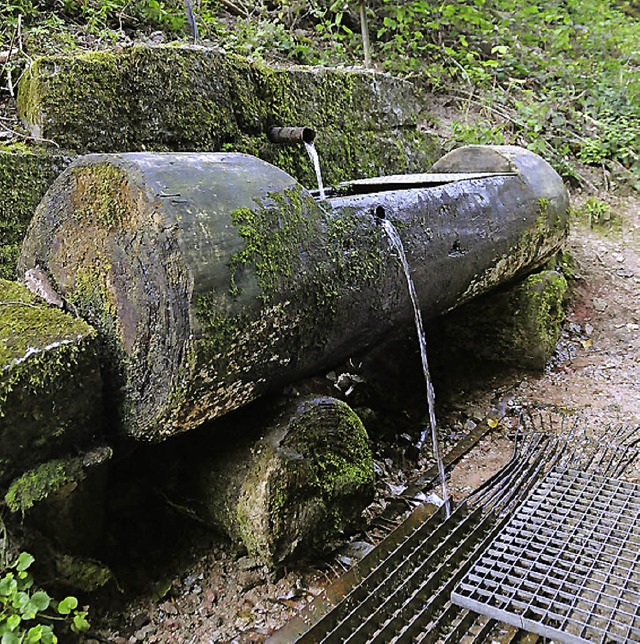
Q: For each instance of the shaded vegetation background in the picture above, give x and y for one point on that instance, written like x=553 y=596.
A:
x=561 y=77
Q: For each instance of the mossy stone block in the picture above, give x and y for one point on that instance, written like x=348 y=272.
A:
x=25 y=175
x=171 y=98
x=50 y=383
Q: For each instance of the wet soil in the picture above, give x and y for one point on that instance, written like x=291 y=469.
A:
x=204 y=590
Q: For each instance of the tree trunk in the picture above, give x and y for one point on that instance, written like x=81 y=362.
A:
x=214 y=278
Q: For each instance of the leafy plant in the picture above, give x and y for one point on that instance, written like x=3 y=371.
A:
x=28 y=614
x=597 y=213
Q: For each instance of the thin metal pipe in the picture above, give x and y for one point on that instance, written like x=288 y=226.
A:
x=291 y=135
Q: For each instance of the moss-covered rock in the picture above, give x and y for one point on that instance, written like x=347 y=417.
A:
x=50 y=383
x=25 y=175
x=184 y=98
x=519 y=325
x=296 y=488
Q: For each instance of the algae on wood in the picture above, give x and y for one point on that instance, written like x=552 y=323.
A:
x=296 y=488
x=50 y=383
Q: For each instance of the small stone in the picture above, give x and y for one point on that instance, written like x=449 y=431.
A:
x=600 y=305
x=140 y=620
x=249 y=579
x=247 y=563
x=169 y=608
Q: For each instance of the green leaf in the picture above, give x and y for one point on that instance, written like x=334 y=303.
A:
x=8 y=585
x=13 y=621
x=24 y=561
x=40 y=600
x=20 y=600
x=67 y=605
x=8 y=637
x=80 y=623
x=41 y=633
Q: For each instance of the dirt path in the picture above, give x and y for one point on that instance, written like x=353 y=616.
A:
x=221 y=596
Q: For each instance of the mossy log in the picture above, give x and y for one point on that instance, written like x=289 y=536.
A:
x=50 y=383
x=295 y=489
x=213 y=278
x=518 y=325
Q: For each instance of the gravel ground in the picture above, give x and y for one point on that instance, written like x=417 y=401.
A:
x=212 y=593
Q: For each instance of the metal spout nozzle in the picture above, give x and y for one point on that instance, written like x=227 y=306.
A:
x=291 y=135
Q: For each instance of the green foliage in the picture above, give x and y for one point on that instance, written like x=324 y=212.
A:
x=597 y=213
x=28 y=614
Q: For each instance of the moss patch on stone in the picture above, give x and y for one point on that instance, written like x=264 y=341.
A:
x=118 y=101
x=25 y=175
x=50 y=384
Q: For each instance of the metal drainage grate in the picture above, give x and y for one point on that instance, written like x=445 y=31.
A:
x=567 y=564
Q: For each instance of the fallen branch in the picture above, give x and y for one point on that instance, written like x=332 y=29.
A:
x=27 y=137
x=234 y=9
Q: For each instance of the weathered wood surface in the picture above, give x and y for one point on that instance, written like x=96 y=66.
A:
x=214 y=278
x=292 y=490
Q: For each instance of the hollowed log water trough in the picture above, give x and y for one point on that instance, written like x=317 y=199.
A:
x=214 y=278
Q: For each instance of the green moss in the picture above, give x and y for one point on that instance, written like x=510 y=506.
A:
x=37 y=484
x=276 y=234
x=27 y=323
x=106 y=197
x=50 y=385
x=86 y=575
x=519 y=325
x=25 y=175
x=366 y=123
x=539 y=311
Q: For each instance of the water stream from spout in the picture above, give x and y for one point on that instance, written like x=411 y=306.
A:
x=396 y=243
x=313 y=155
